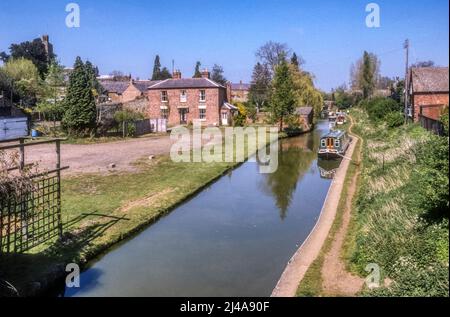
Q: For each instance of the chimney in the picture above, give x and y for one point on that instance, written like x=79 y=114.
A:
x=205 y=73
x=229 y=92
x=176 y=74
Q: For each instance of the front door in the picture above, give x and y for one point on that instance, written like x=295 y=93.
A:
x=330 y=143
x=183 y=116
x=225 y=118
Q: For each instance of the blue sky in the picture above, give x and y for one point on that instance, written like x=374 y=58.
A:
x=329 y=35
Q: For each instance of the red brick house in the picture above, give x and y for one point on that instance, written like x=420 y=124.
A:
x=428 y=92
x=183 y=100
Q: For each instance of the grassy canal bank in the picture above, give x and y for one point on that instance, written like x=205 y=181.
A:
x=398 y=214
x=98 y=211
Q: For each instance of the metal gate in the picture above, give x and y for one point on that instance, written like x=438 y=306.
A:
x=30 y=215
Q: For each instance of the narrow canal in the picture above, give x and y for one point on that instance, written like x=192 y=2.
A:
x=233 y=239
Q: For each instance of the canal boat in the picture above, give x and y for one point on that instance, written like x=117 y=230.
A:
x=334 y=144
x=341 y=118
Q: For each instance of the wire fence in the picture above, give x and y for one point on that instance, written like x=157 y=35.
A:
x=30 y=215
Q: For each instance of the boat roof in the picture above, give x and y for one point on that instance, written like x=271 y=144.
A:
x=334 y=134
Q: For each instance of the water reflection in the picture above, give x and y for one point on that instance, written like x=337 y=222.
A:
x=295 y=158
x=328 y=167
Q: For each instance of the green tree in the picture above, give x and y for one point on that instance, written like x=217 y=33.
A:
x=93 y=73
x=33 y=51
x=365 y=74
x=297 y=61
x=217 y=75
x=260 y=87
x=197 y=72
x=283 y=97
x=156 y=69
x=165 y=74
x=305 y=92
x=368 y=79
x=24 y=80
x=79 y=104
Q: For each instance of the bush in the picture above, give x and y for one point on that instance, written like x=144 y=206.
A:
x=430 y=177
x=241 y=118
x=394 y=119
x=126 y=118
x=379 y=108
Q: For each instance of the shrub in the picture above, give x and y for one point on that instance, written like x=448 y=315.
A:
x=241 y=118
x=379 y=108
x=394 y=119
x=124 y=118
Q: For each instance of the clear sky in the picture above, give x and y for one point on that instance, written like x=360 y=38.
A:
x=329 y=35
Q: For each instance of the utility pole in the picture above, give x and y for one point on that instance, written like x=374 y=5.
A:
x=406 y=47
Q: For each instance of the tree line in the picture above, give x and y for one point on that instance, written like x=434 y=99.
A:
x=280 y=84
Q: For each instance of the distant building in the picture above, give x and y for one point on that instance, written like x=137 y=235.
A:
x=45 y=39
x=428 y=92
x=240 y=92
x=305 y=117
x=183 y=100
x=125 y=91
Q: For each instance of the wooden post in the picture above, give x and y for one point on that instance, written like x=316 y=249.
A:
x=58 y=194
x=22 y=155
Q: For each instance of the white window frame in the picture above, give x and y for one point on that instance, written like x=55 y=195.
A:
x=337 y=143
x=164 y=96
x=183 y=95
x=202 y=95
x=200 y=111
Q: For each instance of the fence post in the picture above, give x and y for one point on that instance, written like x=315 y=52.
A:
x=58 y=193
x=22 y=154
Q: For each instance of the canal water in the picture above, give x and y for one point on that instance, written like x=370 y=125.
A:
x=232 y=239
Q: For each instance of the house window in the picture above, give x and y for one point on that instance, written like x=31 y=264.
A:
x=337 y=143
x=183 y=96
x=202 y=114
x=164 y=96
x=202 y=95
x=165 y=113
x=323 y=143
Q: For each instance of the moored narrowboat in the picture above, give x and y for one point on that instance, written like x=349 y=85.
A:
x=334 y=144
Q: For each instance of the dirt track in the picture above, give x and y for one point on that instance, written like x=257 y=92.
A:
x=96 y=158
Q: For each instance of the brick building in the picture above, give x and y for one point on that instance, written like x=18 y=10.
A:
x=428 y=92
x=305 y=118
x=125 y=91
x=183 y=100
x=240 y=92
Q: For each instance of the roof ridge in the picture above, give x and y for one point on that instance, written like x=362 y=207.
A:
x=214 y=83
x=159 y=83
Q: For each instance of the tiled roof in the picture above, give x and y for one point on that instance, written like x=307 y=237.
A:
x=240 y=86
x=186 y=83
x=143 y=85
x=304 y=111
x=430 y=79
x=115 y=86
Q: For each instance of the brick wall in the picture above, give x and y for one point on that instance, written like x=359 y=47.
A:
x=436 y=100
x=131 y=93
x=214 y=99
